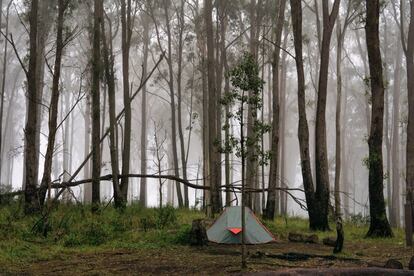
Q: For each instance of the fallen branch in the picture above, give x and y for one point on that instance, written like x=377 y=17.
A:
x=293 y=256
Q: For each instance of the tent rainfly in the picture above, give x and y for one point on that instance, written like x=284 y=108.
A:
x=227 y=228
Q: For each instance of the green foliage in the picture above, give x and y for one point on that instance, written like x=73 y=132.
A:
x=247 y=90
x=73 y=228
x=166 y=217
x=359 y=220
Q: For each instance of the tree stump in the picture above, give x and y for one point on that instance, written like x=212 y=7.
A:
x=198 y=234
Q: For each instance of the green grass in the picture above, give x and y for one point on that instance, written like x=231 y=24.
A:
x=74 y=229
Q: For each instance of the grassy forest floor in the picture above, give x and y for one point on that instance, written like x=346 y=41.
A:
x=155 y=241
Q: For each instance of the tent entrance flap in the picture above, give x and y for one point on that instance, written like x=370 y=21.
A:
x=235 y=231
x=227 y=228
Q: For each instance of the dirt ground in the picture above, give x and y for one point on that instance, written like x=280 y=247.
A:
x=217 y=260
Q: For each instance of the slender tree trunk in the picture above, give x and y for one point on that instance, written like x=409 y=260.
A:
x=338 y=123
x=321 y=153
x=345 y=155
x=108 y=58
x=251 y=169
x=227 y=165
x=387 y=131
x=31 y=152
x=87 y=189
x=126 y=45
x=410 y=125
x=95 y=92
x=172 y=103
x=367 y=97
x=395 y=216
x=181 y=26
x=379 y=226
x=283 y=196
x=215 y=194
x=303 y=130
x=65 y=141
x=3 y=84
x=143 y=184
x=271 y=207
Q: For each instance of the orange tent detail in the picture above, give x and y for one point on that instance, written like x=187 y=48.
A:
x=235 y=231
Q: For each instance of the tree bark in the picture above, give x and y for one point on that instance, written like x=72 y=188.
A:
x=181 y=26
x=379 y=226
x=108 y=58
x=95 y=92
x=395 y=216
x=143 y=184
x=271 y=207
x=87 y=190
x=3 y=84
x=410 y=125
x=321 y=153
x=172 y=103
x=126 y=45
x=31 y=151
x=214 y=165
x=284 y=69
x=303 y=130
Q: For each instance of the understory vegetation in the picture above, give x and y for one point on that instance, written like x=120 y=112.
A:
x=73 y=229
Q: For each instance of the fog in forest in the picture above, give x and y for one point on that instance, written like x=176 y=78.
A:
x=170 y=44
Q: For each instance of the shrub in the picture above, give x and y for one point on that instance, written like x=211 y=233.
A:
x=359 y=220
x=183 y=235
x=147 y=222
x=72 y=240
x=95 y=233
x=166 y=217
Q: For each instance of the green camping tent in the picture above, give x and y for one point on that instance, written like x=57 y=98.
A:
x=227 y=228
